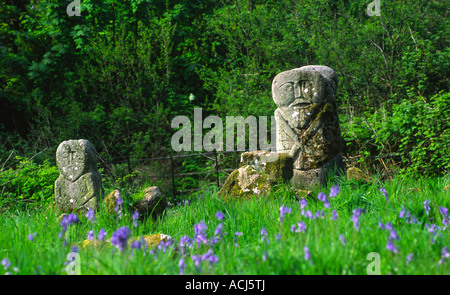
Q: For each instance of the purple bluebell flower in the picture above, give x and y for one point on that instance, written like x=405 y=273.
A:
x=334 y=190
x=409 y=258
x=6 y=263
x=90 y=215
x=342 y=238
x=218 y=231
x=219 y=215
x=102 y=234
x=120 y=237
x=307 y=254
x=90 y=235
x=323 y=198
x=402 y=213
x=200 y=235
x=237 y=234
x=355 y=217
x=390 y=246
x=213 y=240
x=426 y=206
x=292 y=227
x=393 y=235
x=308 y=214
x=283 y=211
x=278 y=237
x=182 y=266
x=210 y=257
x=389 y=226
x=444 y=255
x=386 y=196
x=197 y=259
x=334 y=215
x=136 y=244
x=301 y=227
x=186 y=241
x=264 y=235
x=319 y=214
x=135 y=217
x=264 y=256
x=31 y=237
x=381 y=225
x=303 y=203
x=443 y=211
x=69 y=220
x=432 y=228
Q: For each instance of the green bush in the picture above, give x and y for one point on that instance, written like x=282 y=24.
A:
x=27 y=182
x=417 y=131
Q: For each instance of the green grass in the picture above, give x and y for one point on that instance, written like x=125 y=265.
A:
x=47 y=254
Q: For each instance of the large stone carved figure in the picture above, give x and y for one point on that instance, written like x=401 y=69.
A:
x=307 y=122
x=79 y=185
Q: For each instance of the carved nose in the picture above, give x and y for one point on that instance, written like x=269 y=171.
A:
x=297 y=90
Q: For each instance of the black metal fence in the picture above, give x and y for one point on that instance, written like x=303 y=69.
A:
x=220 y=164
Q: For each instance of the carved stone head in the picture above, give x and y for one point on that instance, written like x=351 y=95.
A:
x=75 y=158
x=306 y=117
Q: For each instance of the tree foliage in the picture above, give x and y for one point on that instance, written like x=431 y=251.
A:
x=119 y=73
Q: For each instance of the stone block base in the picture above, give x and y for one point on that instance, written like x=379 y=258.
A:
x=305 y=179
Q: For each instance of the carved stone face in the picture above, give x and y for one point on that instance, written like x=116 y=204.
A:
x=296 y=93
x=74 y=158
x=307 y=120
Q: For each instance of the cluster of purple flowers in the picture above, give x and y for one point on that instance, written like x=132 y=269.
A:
x=283 y=211
x=90 y=215
x=135 y=217
x=301 y=227
x=444 y=255
x=323 y=198
x=66 y=222
x=264 y=235
x=355 y=217
x=120 y=237
x=392 y=236
x=6 y=263
x=445 y=216
x=426 y=206
x=202 y=238
x=200 y=235
x=384 y=192
x=409 y=218
x=209 y=257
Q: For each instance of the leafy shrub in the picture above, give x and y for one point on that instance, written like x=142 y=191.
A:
x=417 y=130
x=28 y=182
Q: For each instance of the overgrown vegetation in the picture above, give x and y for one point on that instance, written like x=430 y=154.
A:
x=407 y=225
x=119 y=73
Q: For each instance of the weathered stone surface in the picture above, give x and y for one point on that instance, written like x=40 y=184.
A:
x=259 y=172
x=110 y=201
x=151 y=241
x=356 y=174
x=307 y=122
x=152 y=204
x=79 y=185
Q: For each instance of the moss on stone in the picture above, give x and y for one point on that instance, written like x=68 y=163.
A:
x=110 y=202
x=247 y=182
x=282 y=169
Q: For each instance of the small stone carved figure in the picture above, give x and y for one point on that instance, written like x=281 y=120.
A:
x=307 y=122
x=79 y=185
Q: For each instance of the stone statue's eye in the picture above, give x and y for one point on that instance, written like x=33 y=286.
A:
x=287 y=86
